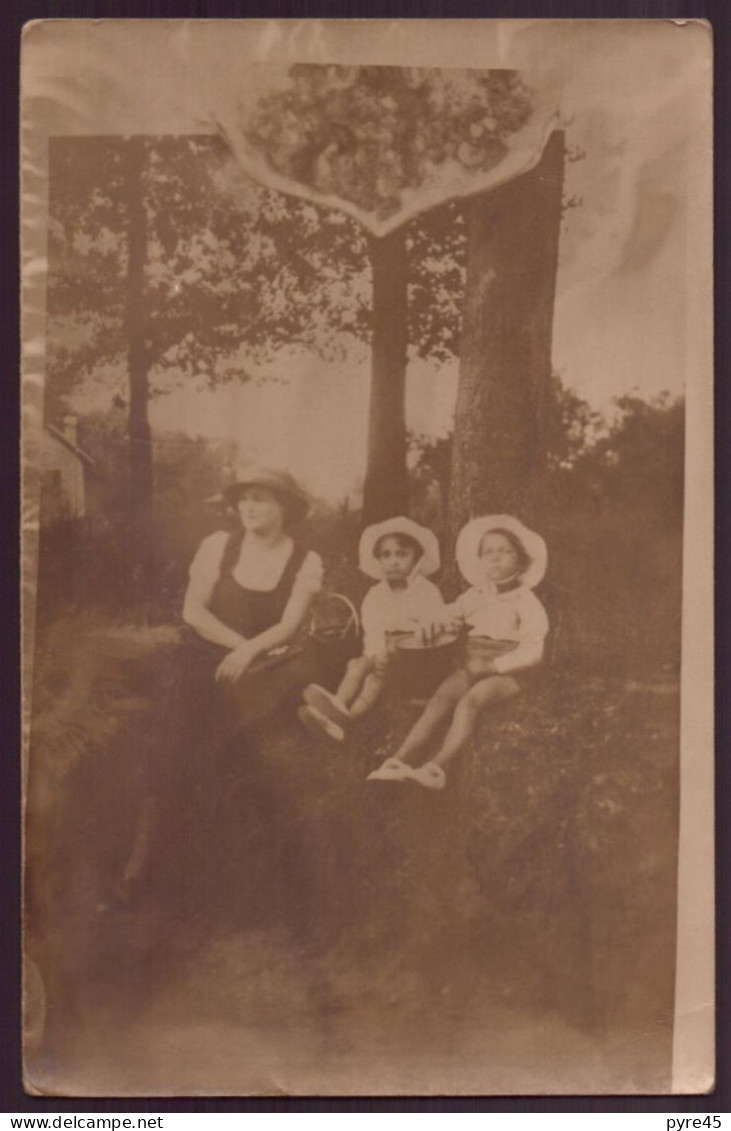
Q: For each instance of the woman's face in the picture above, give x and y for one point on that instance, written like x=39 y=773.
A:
x=260 y=510
x=500 y=559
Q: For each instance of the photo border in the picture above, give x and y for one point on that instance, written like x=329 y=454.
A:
x=11 y=859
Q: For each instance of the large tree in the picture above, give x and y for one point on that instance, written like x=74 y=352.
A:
x=505 y=358
x=373 y=137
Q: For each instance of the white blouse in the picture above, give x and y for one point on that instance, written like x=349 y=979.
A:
x=515 y=615
x=206 y=567
x=392 y=610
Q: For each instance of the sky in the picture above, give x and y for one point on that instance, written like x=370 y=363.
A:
x=634 y=97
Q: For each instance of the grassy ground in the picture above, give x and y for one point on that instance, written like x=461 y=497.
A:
x=515 y=933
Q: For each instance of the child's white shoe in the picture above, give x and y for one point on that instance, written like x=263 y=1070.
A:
x=393 y=769
x=325 y=703
x=318 y=723
x=430 y=776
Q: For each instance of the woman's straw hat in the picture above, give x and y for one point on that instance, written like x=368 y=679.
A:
x=470 y=539
x=281 y=483
x=427 y=564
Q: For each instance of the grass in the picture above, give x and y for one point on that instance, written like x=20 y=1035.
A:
x=530 y=908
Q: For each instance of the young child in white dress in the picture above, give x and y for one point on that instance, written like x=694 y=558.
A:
x=399 y=555
x=506 y=628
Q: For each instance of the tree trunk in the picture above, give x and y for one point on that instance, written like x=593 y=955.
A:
x=386 y=484
x=499 y=448
x=138 y=366
x=140 y=439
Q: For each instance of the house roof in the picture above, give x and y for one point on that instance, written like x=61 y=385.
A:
x=63 y=439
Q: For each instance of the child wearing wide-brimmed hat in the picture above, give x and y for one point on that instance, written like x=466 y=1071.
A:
x=399 y=554
x=506 y=625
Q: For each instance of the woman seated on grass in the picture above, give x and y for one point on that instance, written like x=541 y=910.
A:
x=251 y=591
x=249 y=594
x=502 y=561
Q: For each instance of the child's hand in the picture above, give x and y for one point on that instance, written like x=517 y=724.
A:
x=455 y=622
x=433 y=629
x=429 y=631
x=380 y=663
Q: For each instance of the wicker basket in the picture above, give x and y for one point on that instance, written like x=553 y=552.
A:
x=334 y=636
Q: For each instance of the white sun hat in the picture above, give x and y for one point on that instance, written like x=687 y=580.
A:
x=470 y=538
x=427 y=564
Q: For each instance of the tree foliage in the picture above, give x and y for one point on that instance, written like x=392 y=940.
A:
x=227 y=265
x=639 y=461
x=436 y=247
x=632 y=456
x=232 y=268
x=573 y=426
x=369 y=134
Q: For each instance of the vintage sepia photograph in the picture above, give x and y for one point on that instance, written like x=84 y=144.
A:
x=366 y=401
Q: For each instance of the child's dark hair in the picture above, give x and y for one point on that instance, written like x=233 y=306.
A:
x=405 y=541
x=523 y=558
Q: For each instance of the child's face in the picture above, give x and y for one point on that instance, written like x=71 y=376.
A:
x=499 y=557
x=397 y=559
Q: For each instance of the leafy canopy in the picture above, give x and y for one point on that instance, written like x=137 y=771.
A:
x=226 y=265
x=368 y=134
x=234 y=272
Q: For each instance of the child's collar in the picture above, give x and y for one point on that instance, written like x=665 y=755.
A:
x=509 y=584
x=499 y=587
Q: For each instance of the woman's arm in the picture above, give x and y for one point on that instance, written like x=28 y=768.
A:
x=293 y=617
x=199 y=617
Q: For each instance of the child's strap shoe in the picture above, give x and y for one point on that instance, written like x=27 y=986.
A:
x=325 y=703
x=393 y=769
x=319 y=724
x=430 y=776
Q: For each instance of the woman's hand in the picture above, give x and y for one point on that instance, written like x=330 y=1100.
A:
x=233 y=666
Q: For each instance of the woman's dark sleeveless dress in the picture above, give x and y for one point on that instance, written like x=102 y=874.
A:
x=205 y=726
x=209 y=755
x=272 y=680
x=252 y=611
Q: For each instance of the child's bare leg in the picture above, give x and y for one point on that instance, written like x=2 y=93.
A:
x=322 y=708
x=439 y=707
x=352 y=683
x=370 y=692
x=493 y=689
